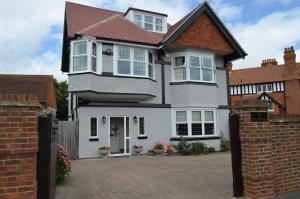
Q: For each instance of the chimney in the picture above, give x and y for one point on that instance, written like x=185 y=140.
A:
x=290 y=61
x=229 y=66
x=267 y=62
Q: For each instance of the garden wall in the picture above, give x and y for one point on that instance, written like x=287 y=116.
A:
x=270 y=145
x=18 y=146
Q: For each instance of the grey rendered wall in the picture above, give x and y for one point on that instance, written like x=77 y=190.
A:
x=107 y=60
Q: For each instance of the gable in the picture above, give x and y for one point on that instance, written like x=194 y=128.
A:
x=203 y=33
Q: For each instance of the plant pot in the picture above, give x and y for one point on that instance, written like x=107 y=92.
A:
x=138 y=150
x=104 y=152
x=158 y=151
x=169 y=152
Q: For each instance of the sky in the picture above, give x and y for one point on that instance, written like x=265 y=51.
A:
x=31 y=32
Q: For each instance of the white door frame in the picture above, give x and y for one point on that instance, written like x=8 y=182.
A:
x=125 y=133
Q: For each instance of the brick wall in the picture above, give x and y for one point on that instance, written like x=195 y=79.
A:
x=270 y=152
x=18 y=146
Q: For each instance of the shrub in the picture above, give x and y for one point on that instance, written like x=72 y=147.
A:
x=225 y=145
x=158 y=145
x=197 y=148
x=183 y=147
x=63 y=164
x=210 y=150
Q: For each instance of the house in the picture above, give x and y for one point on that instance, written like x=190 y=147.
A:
x=277 y=84
x=40 y=85
x=134 y=79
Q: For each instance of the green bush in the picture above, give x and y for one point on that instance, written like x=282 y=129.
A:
x=183 y=147
x=210 y=150
x=225 y=145
x=198 y=148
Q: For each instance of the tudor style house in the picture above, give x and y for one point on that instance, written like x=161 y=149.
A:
x=134 y=78
x=279 y=85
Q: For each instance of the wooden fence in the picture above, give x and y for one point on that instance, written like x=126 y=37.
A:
x=68 y=137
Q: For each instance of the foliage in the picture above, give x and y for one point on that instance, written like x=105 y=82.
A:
x=104 y=148
x=210 y=150
x=63 y=164
x=169 y=147
x=61 y=91
x=183 y=147
x=225 y=145
x=158 y=145
x=198 y=148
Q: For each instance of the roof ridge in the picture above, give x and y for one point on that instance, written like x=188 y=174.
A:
x=98 y=23
x=69 y=2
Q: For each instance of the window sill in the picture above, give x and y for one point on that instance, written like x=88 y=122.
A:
x=195 y=138
x=195 y=82
x=94 y=139
x=142 y=137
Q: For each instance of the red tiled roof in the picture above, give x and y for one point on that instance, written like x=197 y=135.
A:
x=269 y=73
x=40 y=85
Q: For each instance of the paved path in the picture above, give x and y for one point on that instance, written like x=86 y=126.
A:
x=150 y=177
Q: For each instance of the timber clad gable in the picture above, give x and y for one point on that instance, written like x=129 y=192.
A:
x=203 y=33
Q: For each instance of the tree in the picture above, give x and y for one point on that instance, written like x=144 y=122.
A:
x=61 y=90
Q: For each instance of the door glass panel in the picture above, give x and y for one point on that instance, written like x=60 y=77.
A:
x=127 y=126
x=127 y=145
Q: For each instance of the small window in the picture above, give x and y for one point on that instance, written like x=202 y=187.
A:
x=80 y=56
x=274 y=87
x=150 y=65
x=179 y=68
x=243 y=89
x=259 y=88
x=281 y=86
x=142 y=126
x=239 y=90
x=196 y=123
x=181 y=123
x=270 y=106
x=209 y=127
x=93 y=127
x=254 y=88
x=148 y=23
x=246 y=90
x=269 y=88
x=231 y=90
x=158 y=25
x=138 y=19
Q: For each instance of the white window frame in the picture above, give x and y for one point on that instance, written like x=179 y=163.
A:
x=90 y=128
x=152 y=24
x=89 y=55
x=189 y=121
x=155 y=24
x=139 y=134
x=139 y=23
x=116 y=58
x=187 y=65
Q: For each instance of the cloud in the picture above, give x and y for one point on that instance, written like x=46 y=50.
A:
x=226 y=11
x=267 y=37
x=264 y=2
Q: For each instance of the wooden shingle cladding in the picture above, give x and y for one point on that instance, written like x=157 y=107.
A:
x=203 y=33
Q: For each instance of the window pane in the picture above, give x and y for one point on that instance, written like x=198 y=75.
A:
x=94 y=49
x=80 y=63
x=180 y=73
x=139 y=68
x=195 y=73
x=281 y=86
x=127 y=127
x=181 y=116
x=179 y=61
x=142 y=126
x=209 y=129
x=254 y=89
x=158 y=28
x=148 y=27
x=197 y=129
x=148 y=19
x=181 y=129
x=124 y=53
x=270 y=106
x=150 y=57
x=209 y=116
x=79 y=48
x=195 y=62
x=196 y=116
x=150 y=70
x=123 y=67
x=94 y=64
x=93 y=127
x=207 y=63
x=138 y=19
x=158 y=22
x=269 y=87
x=139 y=54
x=207 y=74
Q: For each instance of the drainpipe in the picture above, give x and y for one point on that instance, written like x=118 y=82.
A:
x=163 y=61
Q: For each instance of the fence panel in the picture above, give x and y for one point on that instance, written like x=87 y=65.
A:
x=68 y=137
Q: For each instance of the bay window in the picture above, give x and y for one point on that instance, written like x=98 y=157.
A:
x=84 y=56
x=195 y=123
x=193 y=68
x=133 y=62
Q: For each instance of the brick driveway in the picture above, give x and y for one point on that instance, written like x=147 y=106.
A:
x=150 y=177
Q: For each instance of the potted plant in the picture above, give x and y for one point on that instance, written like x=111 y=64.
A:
x=104 y=150
x=138 y=149
x=169 y=149
x=158 y=147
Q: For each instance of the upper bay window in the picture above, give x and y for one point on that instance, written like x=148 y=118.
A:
x=193 y=68
x=133 y=62
x=84 y=56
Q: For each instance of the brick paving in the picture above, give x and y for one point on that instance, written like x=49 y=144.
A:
x=150 y=177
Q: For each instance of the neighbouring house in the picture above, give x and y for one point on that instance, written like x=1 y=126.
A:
x=279 y=85
x=134 y=79
x=40 y=85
